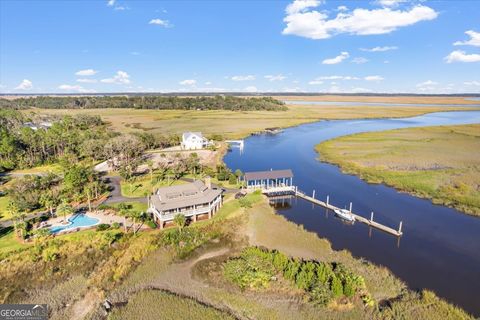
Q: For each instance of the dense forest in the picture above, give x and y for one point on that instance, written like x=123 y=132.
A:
x=146 y=102
x=72 y=138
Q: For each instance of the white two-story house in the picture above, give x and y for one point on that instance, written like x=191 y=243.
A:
x=194 y=140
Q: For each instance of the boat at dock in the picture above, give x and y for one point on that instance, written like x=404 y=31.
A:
x=345 y=214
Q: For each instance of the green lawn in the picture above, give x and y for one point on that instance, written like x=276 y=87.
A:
x=142 y=186
x=8 y=241
x=137 y=206
x=55 y=168
x=4 y=215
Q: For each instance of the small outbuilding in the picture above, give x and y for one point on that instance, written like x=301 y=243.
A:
x=268 y=179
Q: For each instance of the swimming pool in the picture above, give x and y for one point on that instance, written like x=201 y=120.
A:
x=80 y=220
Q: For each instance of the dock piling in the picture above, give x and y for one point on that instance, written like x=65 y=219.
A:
x=358 y=218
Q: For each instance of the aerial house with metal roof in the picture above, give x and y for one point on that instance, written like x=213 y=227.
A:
x=192 y=200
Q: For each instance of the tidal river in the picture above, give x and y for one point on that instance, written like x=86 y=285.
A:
x=440 y=248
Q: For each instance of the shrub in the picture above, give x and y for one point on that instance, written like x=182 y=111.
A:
x=232 y=179
x=102 y=227
x=151 y=223
x=116 y=225
x=336 y=287
x=245 y=202
x=50 y=254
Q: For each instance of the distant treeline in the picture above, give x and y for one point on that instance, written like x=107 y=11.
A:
x=147 y=102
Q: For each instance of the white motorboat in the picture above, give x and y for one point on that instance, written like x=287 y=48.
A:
x=345 y=214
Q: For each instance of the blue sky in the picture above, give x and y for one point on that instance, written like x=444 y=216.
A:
x=302 y=45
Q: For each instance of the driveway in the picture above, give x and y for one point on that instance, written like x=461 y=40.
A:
x=116 y=192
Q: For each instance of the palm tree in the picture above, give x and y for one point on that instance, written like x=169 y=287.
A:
x=135 y=215
x=64 y=209
x=180 y=221
x=150 y=169
x=14 y=211
x=48 y=200
x=123 y=210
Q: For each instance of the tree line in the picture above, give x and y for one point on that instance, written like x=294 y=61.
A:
x=146 y=102
x=71 y=138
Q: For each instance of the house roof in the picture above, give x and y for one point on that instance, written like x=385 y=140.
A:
x=272 y=174
x=187 y=135
x=184 y=195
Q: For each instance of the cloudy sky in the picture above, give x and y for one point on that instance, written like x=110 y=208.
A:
x=302 y=45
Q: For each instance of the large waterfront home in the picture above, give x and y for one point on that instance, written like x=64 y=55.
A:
x=194 y=140
x=193 y=200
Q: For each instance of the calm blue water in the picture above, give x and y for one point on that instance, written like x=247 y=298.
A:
x=440 y=249
x=377 y=104
x=77 y=221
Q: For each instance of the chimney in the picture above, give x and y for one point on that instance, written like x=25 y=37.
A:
x=208 y=182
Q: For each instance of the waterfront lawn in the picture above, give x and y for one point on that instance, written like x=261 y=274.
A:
x=441 y=163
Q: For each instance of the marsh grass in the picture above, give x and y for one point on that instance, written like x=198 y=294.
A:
x=440 y=163
x=155 y=304
x=232 y=124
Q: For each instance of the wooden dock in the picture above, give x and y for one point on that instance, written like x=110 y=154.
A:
x=359 y=218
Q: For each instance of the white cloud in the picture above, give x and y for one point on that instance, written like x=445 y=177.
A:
x=278 y=77
x=316 y=82
x=24 y=85
x=243 y=78
x=110 y=3
x=86 y=72
x=426 y=83
x=344 y=55
x=121 y=77
x=379 y=49
x=390 y=3
x=302 y=20
x=462 y=56
x=135 y=53
x=360 y=60
x=250 y=89
x=160 y=22
x=120 y=8
x=474 y=39
x=472 y=83
x=208 y=83
x=373 y=78
x=427 y=86
x=360 y=90
x=300 y=6
x=342 y=8
x=337 y=78
x=188 y=82
x=83 y=80
x=75 y=88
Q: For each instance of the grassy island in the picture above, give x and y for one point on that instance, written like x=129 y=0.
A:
x=441 y=163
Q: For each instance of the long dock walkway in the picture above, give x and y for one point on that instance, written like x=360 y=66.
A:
x=368 y=222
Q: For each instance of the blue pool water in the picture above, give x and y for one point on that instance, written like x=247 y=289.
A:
x=77 y=221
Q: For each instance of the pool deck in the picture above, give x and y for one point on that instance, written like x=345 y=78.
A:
x=100 y=215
